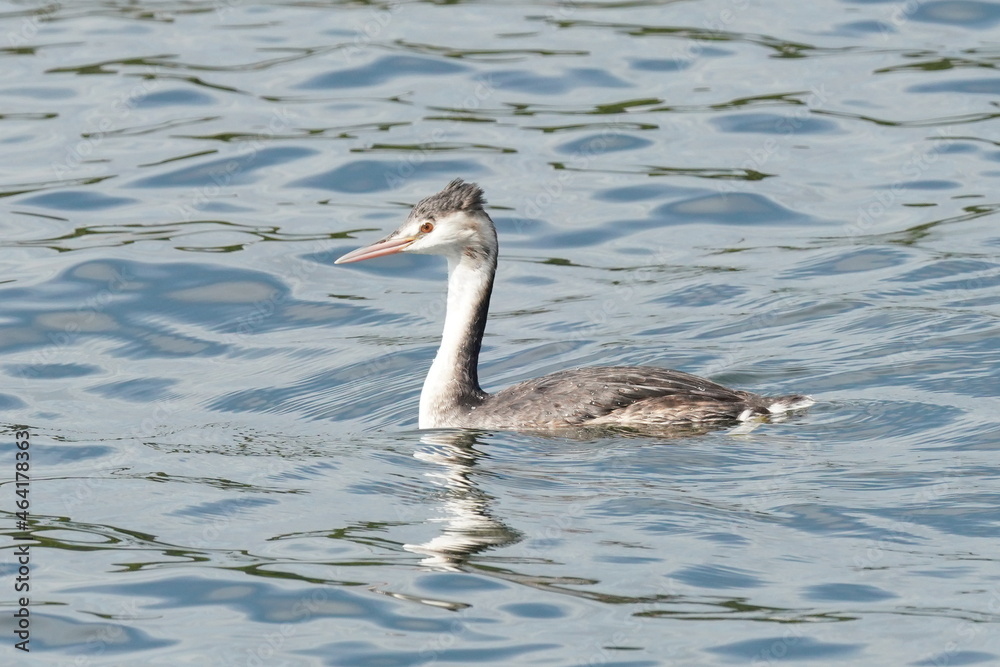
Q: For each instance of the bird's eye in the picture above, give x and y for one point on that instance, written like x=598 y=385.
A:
x=427 y=227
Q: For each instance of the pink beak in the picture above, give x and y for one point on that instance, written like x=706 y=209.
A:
x=380 y=249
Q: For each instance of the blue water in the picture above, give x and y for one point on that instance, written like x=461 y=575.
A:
x=226 y=469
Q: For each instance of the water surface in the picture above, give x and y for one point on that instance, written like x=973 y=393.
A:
x=225 y=461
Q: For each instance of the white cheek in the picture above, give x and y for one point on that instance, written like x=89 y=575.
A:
x=429 y=244
x=418 y=246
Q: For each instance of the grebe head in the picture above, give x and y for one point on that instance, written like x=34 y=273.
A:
x=451 y=223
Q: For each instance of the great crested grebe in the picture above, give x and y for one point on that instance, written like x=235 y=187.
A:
x=453 y=223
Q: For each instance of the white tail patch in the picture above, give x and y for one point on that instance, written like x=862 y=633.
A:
x=790 y=403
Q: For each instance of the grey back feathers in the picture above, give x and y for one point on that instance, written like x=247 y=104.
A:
x=456 y=196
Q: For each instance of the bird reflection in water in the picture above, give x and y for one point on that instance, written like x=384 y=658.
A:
x=468 y=525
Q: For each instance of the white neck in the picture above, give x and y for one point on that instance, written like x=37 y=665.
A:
x=452 y=385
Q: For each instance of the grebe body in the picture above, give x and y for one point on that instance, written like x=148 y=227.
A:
x=454 y=223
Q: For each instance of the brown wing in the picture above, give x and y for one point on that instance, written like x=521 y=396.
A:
x=621 y=394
